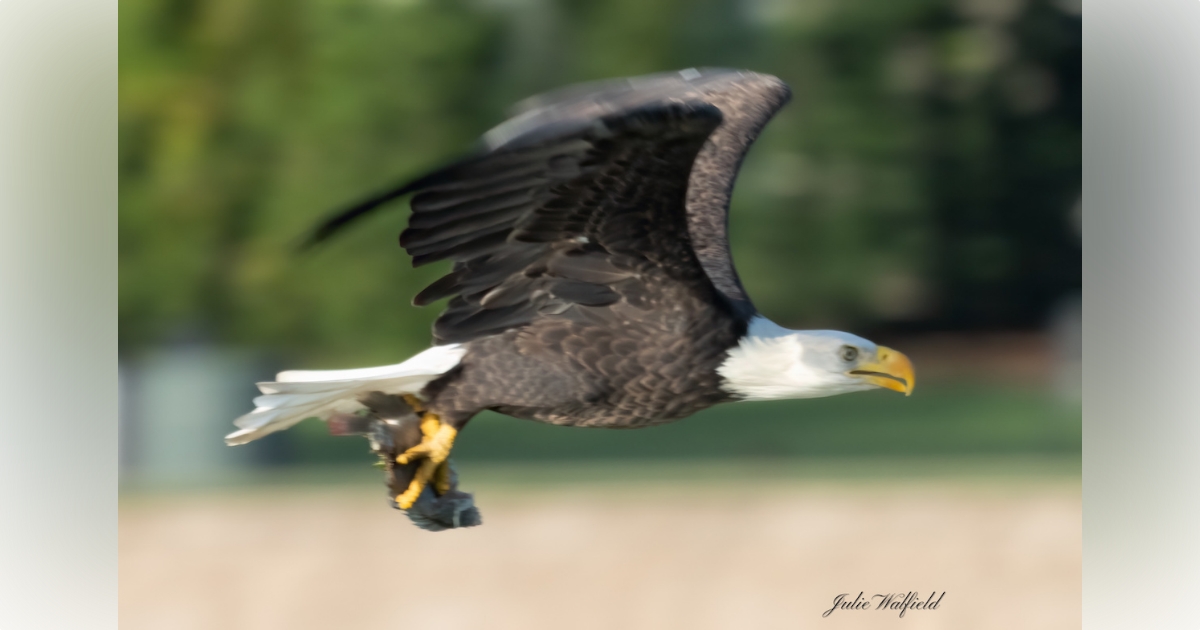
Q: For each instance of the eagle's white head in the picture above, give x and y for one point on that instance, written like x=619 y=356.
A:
x=772 y=362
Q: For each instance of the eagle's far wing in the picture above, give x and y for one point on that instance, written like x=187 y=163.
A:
x=747 y=101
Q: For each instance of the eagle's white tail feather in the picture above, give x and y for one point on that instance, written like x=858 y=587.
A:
x=283 y=399
x=371 y=373
x=275 y=387
x=298 y=394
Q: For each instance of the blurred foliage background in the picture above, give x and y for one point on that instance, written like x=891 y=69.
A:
x=923 y=176
x=926 y=176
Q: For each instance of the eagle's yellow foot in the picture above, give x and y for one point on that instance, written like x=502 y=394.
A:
x=434 y=449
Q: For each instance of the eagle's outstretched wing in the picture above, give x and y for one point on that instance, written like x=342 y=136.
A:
x=606 y=195
x=747 y=100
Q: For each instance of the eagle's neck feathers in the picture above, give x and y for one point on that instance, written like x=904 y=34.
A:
x=770 y=363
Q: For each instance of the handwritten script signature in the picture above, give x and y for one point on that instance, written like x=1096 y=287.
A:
x=902 y=602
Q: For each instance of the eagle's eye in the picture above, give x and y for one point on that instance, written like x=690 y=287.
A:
x=849 y=353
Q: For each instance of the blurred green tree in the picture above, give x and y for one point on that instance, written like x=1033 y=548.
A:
x=922 y=178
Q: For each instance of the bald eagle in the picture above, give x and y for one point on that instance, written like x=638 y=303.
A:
x=592 y=283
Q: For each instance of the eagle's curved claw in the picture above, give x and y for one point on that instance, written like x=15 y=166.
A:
x=435 y=450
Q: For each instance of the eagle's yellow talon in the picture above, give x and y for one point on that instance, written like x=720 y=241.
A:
x=434 y=449
x=441 y=478
x=407 y=499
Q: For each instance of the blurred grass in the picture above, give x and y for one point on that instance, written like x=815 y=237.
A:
x=678 y=477
x=945 y=420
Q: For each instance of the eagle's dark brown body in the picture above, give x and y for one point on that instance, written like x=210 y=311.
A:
x=604 y=373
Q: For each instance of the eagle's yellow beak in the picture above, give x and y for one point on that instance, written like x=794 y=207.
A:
x=890 y=369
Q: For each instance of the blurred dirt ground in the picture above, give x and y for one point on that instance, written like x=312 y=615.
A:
x=651 y=555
